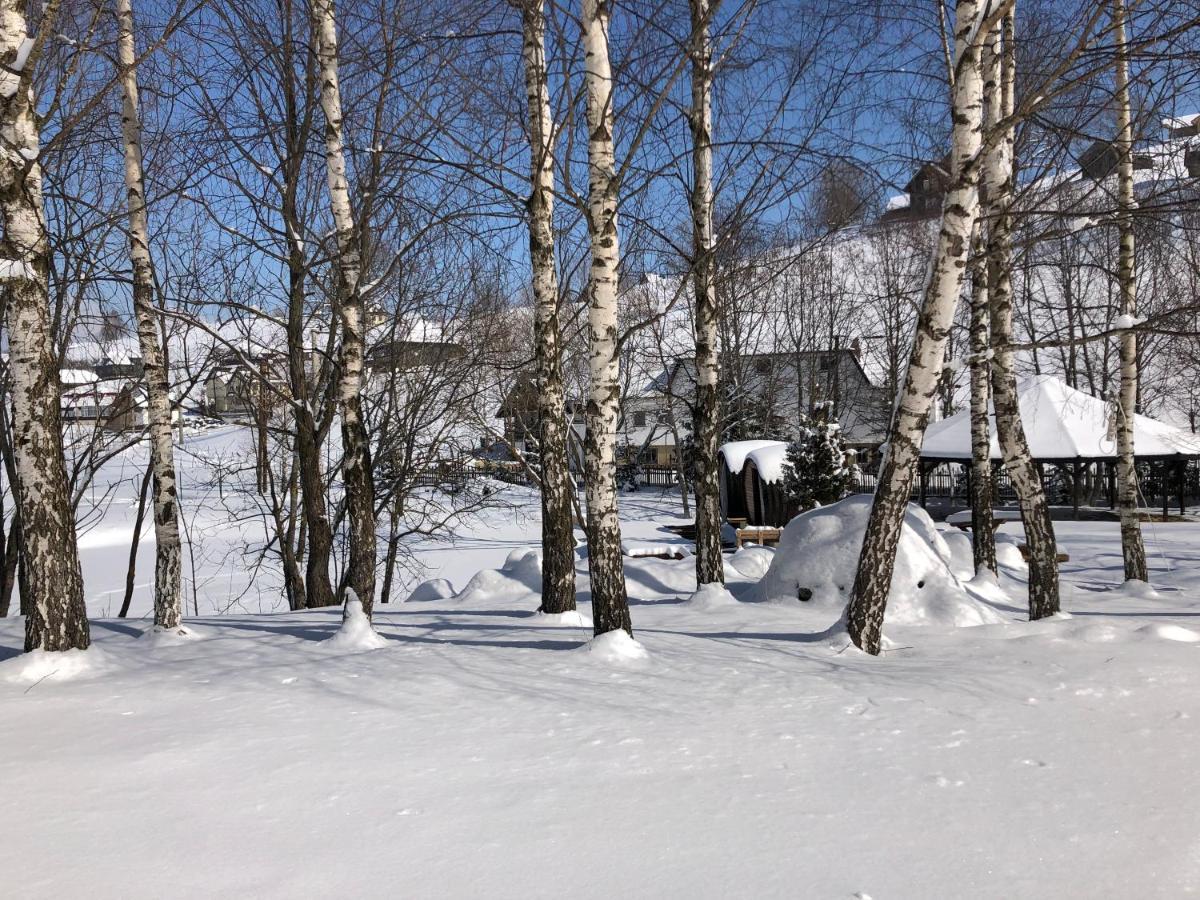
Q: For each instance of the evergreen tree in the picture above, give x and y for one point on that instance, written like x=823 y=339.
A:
x=819 y=466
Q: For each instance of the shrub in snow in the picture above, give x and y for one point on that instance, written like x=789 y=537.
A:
x=818 y=555
x=434 y=589
x=357 y=632
x=819 y=466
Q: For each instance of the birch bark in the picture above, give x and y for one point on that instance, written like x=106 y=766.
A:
x=1132 y=548
x=1023 y=471
x=983 y=538
x=868 y=599
x=57 y=617
x=558 y=532
x=168 y=552
x=710 y=567
x=610 y=605
x=356 y=454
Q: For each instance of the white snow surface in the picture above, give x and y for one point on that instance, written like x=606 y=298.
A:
x=1061 y=423
x=818 y=553
x=750 y=754
x=736 y=452
x=356 y=632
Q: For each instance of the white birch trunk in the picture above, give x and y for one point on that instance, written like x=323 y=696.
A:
x=710 y=567
x=1024 y=473
x=983 y=538
x=356 y=455
x=168 y=555
x=56 y=618
x=868 y=600
x=1132 y=548
x=558 y=533
x=610 y=605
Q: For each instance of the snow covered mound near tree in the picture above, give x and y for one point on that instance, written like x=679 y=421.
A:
x=818 y=554
x=434 y=589
x=519 y=580
x=356 y=632
x=616 y=648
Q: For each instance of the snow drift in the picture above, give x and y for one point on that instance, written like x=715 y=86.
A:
x=518 y=581
x=818 y=554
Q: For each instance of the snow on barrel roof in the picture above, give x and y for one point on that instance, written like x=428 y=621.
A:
x=769 y=460
x=1061 y=423
x=735 y=452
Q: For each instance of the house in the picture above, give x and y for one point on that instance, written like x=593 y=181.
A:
x=113 y=404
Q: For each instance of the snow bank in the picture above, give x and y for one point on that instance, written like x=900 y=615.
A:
x=43 y=665
x=519 y=580
x=356 y=632
x=752 y=561
x=434 y=589
x=818 y=554
x=617 y=648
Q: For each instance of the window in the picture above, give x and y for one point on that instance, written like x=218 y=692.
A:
x=639 y=420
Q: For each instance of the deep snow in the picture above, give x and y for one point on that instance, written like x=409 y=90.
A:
x=750 y=752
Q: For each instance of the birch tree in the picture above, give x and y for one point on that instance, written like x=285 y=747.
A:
x=56 y=617
x=983 y=538
x=356 y=463
x=710 y=568
x=558 y=535
x=168 y=561
x=1132 y=548
x=868 y=599
x=1014 y=447
x=610 y=604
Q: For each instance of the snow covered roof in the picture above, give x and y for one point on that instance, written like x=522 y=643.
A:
x=73 y=377
x=1061 y=423
x=736 y=452
x=769 y=460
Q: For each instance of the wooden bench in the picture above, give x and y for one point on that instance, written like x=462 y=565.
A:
x=762 y=535
x=962 y=518
x=1024 y=548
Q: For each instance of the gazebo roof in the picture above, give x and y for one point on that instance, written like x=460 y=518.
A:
x=1061 y=423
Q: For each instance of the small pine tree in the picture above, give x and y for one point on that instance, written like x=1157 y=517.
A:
x=819 y=466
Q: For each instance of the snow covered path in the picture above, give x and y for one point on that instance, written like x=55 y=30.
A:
x=480 y=753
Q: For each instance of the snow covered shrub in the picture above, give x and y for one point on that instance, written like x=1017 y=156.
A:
x=819 y=467
x=818 y=555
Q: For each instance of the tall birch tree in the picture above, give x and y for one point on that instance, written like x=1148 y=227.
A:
x=356 y=456
x=1014 y=447
x=610 y=604
x=710 y=568
x=868 y=599
x=168 y=555
x=558 y=534
x=56 y=618
x=1132 y=548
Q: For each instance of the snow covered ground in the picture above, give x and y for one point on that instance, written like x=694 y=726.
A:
x=482 y=752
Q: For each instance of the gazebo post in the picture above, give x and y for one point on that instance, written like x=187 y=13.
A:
x=967 y=470
x=1075 y=474
x=1180 y=480
x=1110 y=473
x=924 y=478
x=1166 y=483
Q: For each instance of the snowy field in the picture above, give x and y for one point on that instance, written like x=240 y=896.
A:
x=484 y=752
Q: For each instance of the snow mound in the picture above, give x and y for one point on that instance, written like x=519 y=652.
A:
x=616 y=648
x=818 y=555
x=1008 y=552
x=1171 y=633
x=712 y=596
x=570 y=619
x=752 y=562
x=518 y=581
x=962 y=554
x=156 y=637
x=44 y=665
x=1135 y=590
x=434 y=589
x=357 y=632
